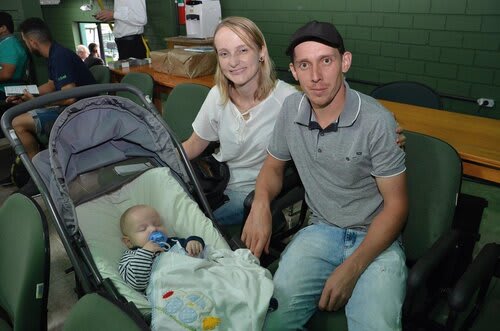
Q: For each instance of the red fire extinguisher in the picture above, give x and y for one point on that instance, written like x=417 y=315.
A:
x=181 y=12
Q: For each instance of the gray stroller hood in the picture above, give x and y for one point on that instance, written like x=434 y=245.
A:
x=96 y=132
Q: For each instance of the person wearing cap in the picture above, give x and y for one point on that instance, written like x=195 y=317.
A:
x=343 y=145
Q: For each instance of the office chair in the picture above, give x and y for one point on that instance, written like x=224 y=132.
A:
x=24 y=265
x=97 y=312
x=434 y=172
x=409 y=92
x=182 y=106
x=101 y=74
x=142 y=81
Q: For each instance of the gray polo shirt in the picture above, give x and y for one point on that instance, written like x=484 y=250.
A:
x=338 y=165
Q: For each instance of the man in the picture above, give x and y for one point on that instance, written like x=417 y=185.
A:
x=82 y=51
x=343 y=144
x=93 y=59
x=13 y=57
x=66 y=71
x=130 y=17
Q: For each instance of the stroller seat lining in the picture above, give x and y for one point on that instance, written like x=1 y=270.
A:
x=99 y=222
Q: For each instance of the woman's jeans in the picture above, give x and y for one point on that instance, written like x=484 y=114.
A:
x=308 y=261
x=231 y=212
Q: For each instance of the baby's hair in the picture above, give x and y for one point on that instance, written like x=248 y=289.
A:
x=127 y=212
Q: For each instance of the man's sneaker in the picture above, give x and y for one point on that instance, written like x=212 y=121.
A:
x=29 y=189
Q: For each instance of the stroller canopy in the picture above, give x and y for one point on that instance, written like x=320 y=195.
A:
x=96 y=132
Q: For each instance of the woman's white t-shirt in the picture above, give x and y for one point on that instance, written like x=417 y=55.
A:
x=243 y=142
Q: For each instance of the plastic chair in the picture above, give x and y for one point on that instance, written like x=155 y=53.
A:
x=182 y=106
x=96 y=312
x=24 y=265
x=409 y=92
x=101 y=74
x=434 y=172
x=142 y=81
x=476 y=282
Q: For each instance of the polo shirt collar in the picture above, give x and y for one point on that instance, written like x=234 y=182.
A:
x=305 y=115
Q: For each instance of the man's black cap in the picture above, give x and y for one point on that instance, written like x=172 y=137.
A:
x=322 y=32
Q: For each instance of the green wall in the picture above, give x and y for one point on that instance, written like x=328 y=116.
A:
x=451 y=45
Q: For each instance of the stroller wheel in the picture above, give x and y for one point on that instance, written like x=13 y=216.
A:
x=18 y=173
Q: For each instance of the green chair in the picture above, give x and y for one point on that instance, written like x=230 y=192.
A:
x=142 y=81
x=101 y=74
x=182 y=106
x=24 y=265
x=409 y=92
x=98 y=313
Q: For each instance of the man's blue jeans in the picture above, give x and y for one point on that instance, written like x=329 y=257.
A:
x=308 y=261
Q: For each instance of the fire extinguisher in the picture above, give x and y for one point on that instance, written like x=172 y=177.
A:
x=181 y=12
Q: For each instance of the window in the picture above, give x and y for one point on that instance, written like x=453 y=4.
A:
x=101 y=34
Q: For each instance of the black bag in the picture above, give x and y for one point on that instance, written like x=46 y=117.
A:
x=213 y=177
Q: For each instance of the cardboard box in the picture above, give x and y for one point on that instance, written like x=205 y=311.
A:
x=180 y=62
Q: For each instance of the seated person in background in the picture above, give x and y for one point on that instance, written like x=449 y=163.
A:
x=93 y=58
x=82 y=51
x=13 y=56
x=66 y=71
x=141 y=226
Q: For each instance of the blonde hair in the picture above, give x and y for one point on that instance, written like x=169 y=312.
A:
x=251 y=35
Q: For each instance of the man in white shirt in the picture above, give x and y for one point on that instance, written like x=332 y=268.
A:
x=129 y=17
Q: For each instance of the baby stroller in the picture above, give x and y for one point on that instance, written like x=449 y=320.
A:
x=105 y=154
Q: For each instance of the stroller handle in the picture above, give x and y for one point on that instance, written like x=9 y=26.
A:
x=77 y=92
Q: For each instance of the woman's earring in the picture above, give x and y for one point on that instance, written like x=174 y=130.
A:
x=261 y=59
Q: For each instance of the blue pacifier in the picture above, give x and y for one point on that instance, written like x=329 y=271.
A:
x=159 y=238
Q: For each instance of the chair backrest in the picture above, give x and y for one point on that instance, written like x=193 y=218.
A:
x=434 y=172
x=409 y=92
x=24 y=264
x=101 y=74
x=182 y=106
x=95 y=312
x=142 y=81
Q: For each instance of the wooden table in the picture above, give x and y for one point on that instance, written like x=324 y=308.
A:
x=476 y=139
x=163 y=83
x=185 y=41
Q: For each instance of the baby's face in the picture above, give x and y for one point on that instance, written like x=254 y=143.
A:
x=139 y=225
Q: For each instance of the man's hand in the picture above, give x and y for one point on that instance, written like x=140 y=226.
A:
x=17 y=99
x=338 y=287
x=194 y=247
x=105 y=15
x=153 y=247
x=257 y=230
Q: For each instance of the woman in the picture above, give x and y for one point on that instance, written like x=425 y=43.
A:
x=239 y=111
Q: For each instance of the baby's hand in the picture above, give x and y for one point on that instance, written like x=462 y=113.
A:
x=153 y=247
x=194 y=247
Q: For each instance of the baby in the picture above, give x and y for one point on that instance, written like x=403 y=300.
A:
x=137 y=224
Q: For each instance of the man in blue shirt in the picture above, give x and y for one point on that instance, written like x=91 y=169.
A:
x=13 y=57
x=66 y=71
